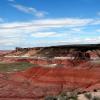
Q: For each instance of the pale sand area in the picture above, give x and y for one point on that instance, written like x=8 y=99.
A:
x=94 y=94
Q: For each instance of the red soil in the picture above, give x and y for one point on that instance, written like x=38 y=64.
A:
x=2 y=52
x=12 y=60
x=37 y=82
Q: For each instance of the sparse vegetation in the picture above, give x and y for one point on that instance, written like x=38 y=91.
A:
x=72 y=96
x=64 y=96
x=50 y=98
x=96 y=98
x=18 y=66
x=88 y=96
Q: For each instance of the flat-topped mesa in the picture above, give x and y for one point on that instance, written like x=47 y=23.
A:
x=78 y=51
x=26 y=49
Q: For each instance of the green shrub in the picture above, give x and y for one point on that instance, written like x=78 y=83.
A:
x=68 y=96
x=88 y=96
x=96 y=98
x=50 y=98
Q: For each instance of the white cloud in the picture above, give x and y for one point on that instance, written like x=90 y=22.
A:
x=45 y=34
x=98 y=30
x=76 y=29
x=64 y=22
x=69 y=22
x=96 y=21
x=29 y=10
x=9 y=41
x=92 y=40
x=23 y=33
x=79 y=40
x=39 y=28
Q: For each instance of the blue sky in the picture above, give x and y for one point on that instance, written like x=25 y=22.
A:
x=31 y=23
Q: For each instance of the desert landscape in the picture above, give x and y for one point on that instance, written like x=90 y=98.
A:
x=49 y=49
x=38 y=73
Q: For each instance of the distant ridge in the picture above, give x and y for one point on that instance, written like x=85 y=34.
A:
x=52 y=51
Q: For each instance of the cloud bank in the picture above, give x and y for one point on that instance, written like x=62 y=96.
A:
x=46 y=31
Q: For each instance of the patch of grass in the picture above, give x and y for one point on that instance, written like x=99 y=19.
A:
x=88 y=96
x=63 y=96
x=11 y=67
x=96 y=98
x=50 y=98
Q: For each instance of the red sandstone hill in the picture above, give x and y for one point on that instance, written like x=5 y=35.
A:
x=3 y=52
x=37 y=82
